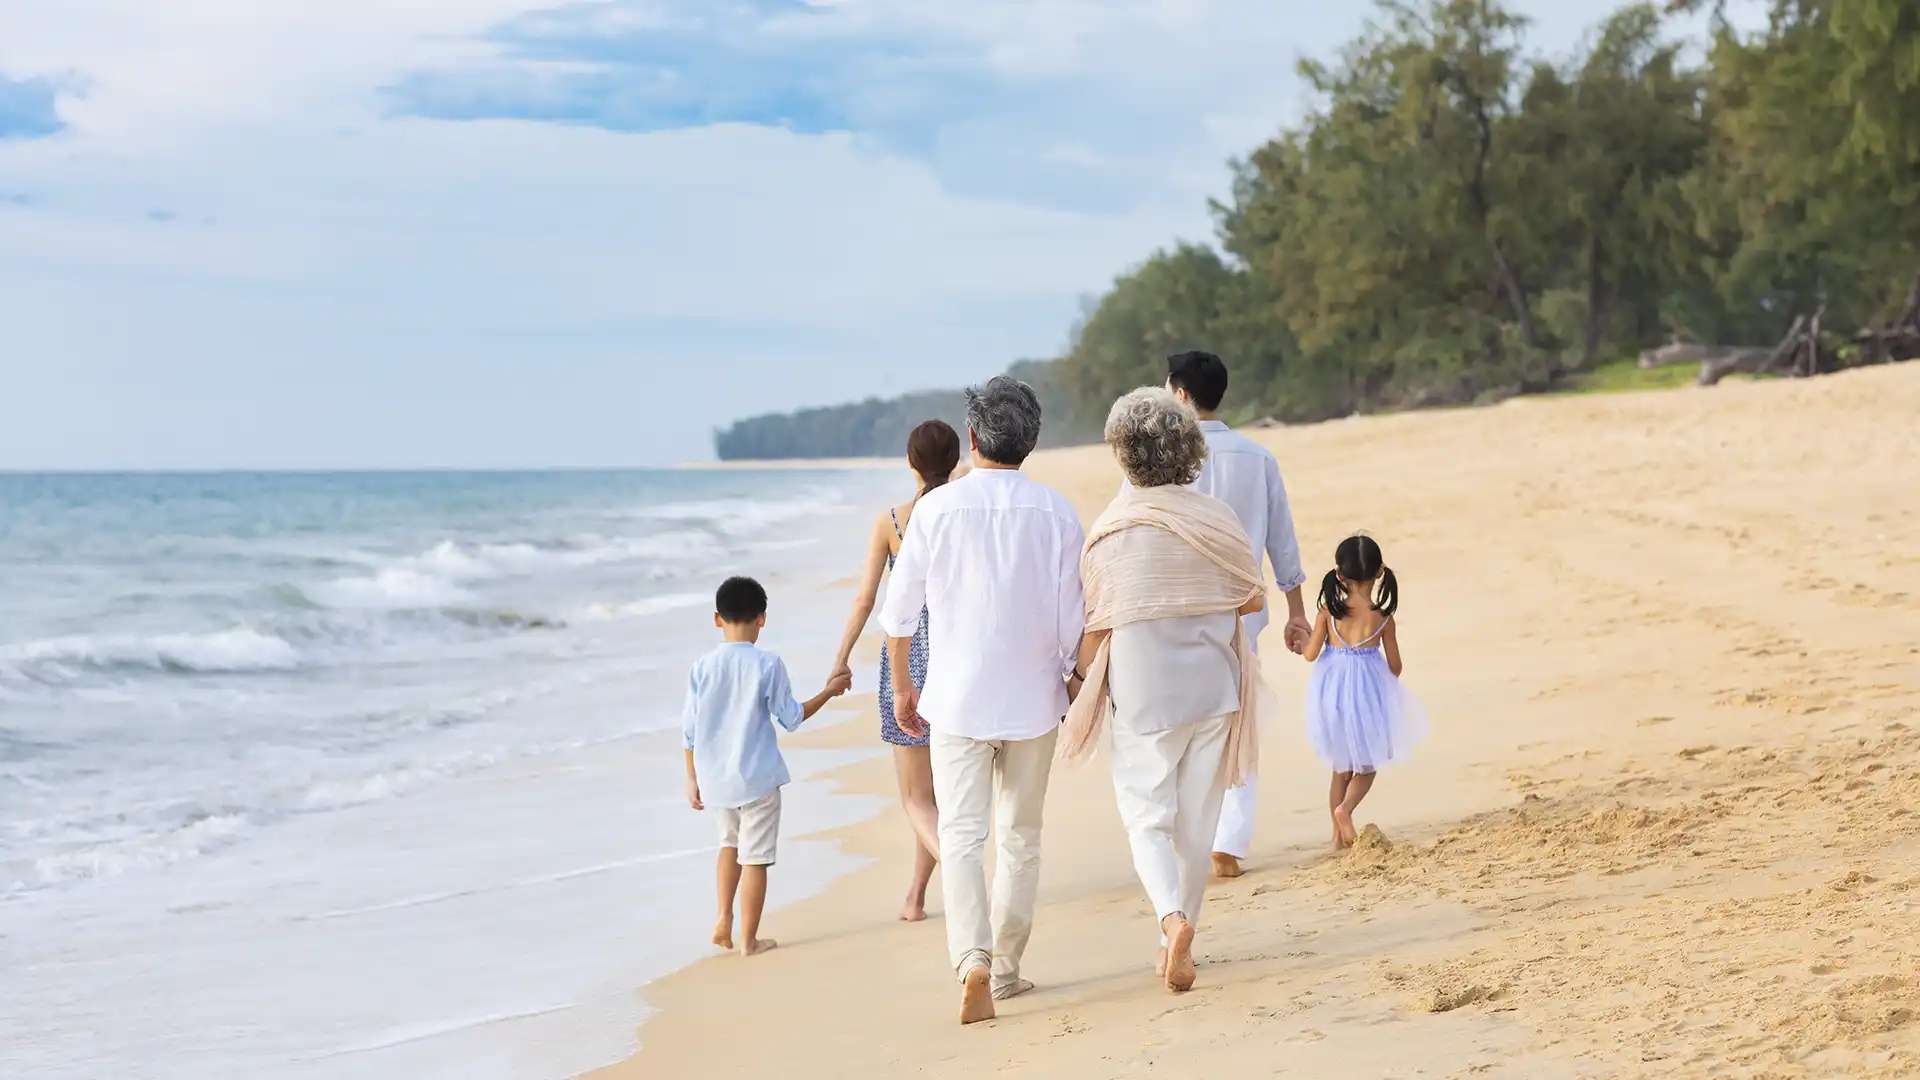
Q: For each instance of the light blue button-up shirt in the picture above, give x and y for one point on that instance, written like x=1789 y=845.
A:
x=735 y=696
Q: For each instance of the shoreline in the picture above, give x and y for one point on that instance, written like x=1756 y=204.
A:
x=1659 y=830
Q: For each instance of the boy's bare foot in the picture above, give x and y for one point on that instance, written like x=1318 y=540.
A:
x=1012 y=989
x=1226 y=866
x=976 y=998
x=1180 y=973
x=758 y=946
x=1343 y=827
x=914 y=910
x=723 y=933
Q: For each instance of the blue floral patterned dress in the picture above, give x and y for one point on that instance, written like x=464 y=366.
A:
x=890 y=732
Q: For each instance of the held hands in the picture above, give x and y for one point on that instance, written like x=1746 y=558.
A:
x=1297 y=634
x=839 y=682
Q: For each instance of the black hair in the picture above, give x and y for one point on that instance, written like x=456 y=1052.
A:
x=739 y=600
x=1202 y=375
x=1359 y=559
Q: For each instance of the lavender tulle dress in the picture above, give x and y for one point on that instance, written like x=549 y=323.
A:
x=1359 y=716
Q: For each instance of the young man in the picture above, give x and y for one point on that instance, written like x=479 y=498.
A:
x=1242 y=474
x=735 y=696
x=995 y=559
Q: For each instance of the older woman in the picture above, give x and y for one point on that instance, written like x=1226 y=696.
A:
x=1168 y=572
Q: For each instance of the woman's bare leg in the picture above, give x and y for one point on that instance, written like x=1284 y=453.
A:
x=913 y=767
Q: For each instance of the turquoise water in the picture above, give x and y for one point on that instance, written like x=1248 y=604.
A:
x=367 y=703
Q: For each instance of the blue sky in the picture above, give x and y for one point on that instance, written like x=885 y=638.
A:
x=363 y=233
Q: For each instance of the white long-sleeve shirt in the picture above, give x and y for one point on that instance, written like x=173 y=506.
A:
x=1245 y=476
x=995 y=559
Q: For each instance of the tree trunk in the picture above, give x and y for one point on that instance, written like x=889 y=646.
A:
x=1590 y=345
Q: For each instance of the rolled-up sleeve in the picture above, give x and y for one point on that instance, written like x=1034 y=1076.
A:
x=785 y=709
x=907 y=584
x=1283 y=545
x=1073 y=599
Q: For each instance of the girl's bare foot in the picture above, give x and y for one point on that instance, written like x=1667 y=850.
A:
x=1226 y=866
x=723 y=933
x=1343 y=827
x=1180 y=973
x=758 y=946
x=976 y=998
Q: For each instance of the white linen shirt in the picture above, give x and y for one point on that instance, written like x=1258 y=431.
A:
x=1245 y=476
x=994 y=557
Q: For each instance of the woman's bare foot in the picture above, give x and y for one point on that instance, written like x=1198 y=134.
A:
x=723 y=933
x=1343 y=827
x=758 y=946
x=915 y=909
x=1226 y=866
x=1180 y=973
x=976 y=997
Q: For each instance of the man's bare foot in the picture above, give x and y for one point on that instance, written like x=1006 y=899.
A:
x=1160 y=963
x=1343 y=827
x=758 y=946
x=723 y=933
x=976 y=998
x=1180 y=973
x=1226 y=866
x=1011 y=989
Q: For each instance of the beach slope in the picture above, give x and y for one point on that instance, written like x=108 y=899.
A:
x=1664 y=827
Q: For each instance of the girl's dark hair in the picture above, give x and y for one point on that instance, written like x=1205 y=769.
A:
x=1359 y=559
x=933 y=449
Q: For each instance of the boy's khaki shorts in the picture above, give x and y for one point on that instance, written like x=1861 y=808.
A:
x=753 y=830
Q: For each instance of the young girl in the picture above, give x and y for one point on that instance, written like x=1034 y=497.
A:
x=1359 y=717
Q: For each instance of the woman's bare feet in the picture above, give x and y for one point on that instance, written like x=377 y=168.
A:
x=1343 y=832
x=1180 y=974
x=1226 y=866
x=758 y=946
x=976 y=996
x=723 y=933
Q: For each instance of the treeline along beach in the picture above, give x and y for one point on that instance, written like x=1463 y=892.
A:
x=1459 y=217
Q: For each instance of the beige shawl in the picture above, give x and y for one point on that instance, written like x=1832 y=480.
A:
x=1160 y=553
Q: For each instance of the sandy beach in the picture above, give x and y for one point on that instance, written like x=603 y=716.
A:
x=1664 y=827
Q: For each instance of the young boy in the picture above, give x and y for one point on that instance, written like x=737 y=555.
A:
x=735 y=694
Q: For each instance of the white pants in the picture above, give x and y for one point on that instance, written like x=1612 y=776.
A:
x=1235 y=835
x=1003 y=783
x=1169 y=787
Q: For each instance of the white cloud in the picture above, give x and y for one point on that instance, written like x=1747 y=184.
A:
x=340 y=286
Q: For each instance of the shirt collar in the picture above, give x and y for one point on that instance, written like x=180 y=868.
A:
x=1213 y=425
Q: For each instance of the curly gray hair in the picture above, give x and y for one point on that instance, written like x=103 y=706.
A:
x=1156 y=438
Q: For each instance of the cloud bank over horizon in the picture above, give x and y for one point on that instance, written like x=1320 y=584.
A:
x=500 y=233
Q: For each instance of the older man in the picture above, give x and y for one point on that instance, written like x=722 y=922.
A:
x=995 y=559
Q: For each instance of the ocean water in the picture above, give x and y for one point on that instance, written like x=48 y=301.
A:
x=374 y=775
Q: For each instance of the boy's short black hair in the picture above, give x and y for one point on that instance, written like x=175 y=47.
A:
x=739 y=600
x=1202 y=375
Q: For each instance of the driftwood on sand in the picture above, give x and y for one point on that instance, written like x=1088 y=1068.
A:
x=1802 y=351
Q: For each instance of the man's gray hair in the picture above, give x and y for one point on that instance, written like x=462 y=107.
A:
x=1004 y=416
x=1156 y=438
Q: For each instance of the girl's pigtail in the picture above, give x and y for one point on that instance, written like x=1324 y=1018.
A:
x=1388 y=596
x=1333 y=595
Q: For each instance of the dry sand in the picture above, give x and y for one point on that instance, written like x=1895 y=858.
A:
x=1665 y=825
